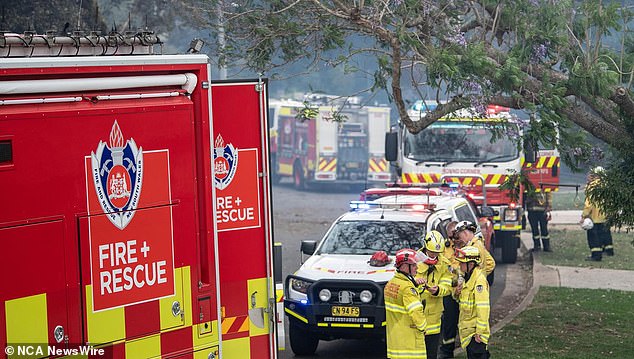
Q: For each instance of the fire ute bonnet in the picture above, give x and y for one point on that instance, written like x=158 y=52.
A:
x=121 y=275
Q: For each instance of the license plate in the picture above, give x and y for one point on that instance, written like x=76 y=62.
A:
x=345 y=311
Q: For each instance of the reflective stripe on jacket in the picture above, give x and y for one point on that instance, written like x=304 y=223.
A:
x=405 y=317
x=436 y=275
x=474 y=309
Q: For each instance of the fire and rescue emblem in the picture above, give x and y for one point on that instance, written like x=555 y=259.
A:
x=117 y=172
x=225 y=163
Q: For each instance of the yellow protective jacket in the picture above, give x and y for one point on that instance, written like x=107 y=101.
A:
x=435 y=275
x=454 y=265
x=590 y=210
x=487 y=263
x=405 y=317
x=474 y=308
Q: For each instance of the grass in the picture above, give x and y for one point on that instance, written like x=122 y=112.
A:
x=568 y=200
x=570 y=248
x=570 y=323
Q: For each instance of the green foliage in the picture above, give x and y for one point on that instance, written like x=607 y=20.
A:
x=614 y=193
x=569 y=323
x=307 y=113
x=570 y=247
x=514 y=182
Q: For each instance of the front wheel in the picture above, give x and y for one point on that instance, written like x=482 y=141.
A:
x=509 y=243
x=302 y=341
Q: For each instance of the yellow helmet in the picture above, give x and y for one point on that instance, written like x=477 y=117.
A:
x=468 y=254
x=434 y=242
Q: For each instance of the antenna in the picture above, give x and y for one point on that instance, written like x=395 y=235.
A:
x=96 y=16
x=79 y=15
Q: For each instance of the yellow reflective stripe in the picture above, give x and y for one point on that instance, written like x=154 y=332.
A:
x=465 y=341
x=396 y=353
x=415 y=305
x=296 y=315
x=445 y=281
x=431 y=328
x=484 y=337
x=345 y=325
x=482 y=325
x=482 y=304
x=322 y=324
x=449 y=341
x=395 y=308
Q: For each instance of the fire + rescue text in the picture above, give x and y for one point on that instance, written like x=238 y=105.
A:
x=226 y=211
x=120 y=274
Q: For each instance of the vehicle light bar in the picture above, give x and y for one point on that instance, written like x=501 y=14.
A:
x=361 y=205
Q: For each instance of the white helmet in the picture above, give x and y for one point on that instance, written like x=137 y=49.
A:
x=587 y=224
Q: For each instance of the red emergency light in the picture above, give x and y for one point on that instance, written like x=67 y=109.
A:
x=496 y=109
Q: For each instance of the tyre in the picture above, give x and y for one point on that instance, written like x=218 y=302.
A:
x=299 y=182
x=509 y=243
x=302 y=341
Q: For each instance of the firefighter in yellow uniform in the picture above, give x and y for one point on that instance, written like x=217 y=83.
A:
x=473 y=298
x=599 y=236
x=434 y=280
x=404 y=312
x=449 y=322
x=465 y=234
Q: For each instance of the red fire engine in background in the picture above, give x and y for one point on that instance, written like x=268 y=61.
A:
x=323 y=150
x=458 y=149
x=135 y=213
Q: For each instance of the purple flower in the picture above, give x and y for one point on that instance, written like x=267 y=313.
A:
x=540 y=52
x=458 y=39
x=596 y=153
x=478 y=106
x=472 y=86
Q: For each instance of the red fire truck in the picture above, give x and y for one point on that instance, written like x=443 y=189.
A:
x=135 y=216
x=458 y=149
x=323 y=150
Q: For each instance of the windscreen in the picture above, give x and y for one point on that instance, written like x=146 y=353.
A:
x=458 y=141
x=367 y=237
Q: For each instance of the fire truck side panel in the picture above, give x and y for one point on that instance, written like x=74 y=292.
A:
x=73 y=255
x=326 y=147
x=242 y=200
x=544 y=173
x=378 y=125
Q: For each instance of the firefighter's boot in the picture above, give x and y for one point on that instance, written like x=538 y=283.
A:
x=546 y=243
x=446 y=350
x=536 y=244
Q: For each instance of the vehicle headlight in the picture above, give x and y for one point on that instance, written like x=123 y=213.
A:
x=365 y=296
x=510 y=215
x=324 y=295
x=300 y=285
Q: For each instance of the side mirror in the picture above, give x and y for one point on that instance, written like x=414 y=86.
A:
x=391 y=146
x=277 y=262
x=486 y=211
x=530 y=151
x=308 y=247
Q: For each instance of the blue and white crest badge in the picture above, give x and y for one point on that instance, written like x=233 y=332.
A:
x=225 y=163
x=117 y=173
